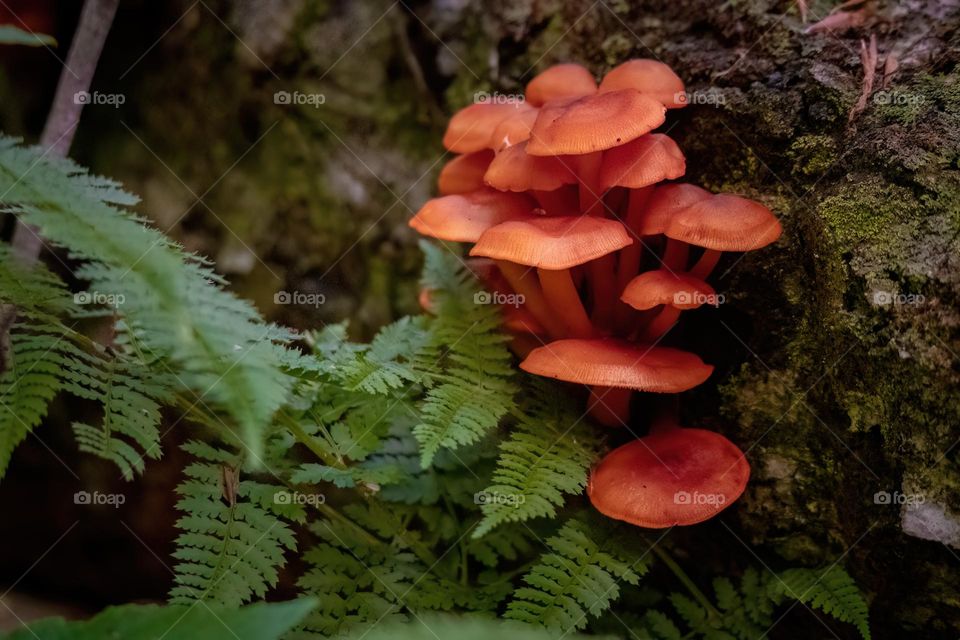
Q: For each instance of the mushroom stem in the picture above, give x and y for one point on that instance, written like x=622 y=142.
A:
x=563 y=298
x=631 y=255
x=522 y=280
x=667 y=414
x=661 y=323
x=603 y=283
x=610 y=406
x=704 y=266
x=675 y=255
x=554 y=203
x=588 y=172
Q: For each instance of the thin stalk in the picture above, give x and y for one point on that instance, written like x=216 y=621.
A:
x=588 y=172
x=523 y=281
x=563 y=298
x=705 y=265
x=556 y=202
x=603 y=283
x=687 y=582
x=675 y=255
x=610 y=406
x=661 y=323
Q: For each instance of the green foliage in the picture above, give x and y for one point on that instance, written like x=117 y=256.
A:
x=749 y=610
x=546 y=456
x=459 y=627
x=579 y=576
x=436 y=459
x=469 y=378
x=221 y=352
x=260 y=621
x=10 y=34
x=832 y=591
x=234 y=537
x=43 y=356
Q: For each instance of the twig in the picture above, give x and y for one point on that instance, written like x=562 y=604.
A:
x=57 y=136
x=868 y=57
x=77 y=74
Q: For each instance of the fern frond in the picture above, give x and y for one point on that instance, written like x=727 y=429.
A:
x=576 y=578
x=230 y=549
x=546 y=457
x=465 y=362
x=833 y=591
x=222 y=351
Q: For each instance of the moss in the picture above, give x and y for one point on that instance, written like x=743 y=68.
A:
x=813 y=155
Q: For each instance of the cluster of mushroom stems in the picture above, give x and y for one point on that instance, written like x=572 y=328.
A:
x=568 y=199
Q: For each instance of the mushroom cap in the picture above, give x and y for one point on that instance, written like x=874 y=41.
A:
x=666 y=201
x=464 y=217
x=560 y=81
x=513 y=129
x=673 y=477
x=593 y=123
x=471 y=129
x=725 y=222
x=652 y=77
x=514 y=169
x=660 y=286
x=618 y=363
x=641 y=162
x=558 y=242
x=464 y=173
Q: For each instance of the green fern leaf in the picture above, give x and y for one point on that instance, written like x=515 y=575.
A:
x=832 y=591
x=230 y=550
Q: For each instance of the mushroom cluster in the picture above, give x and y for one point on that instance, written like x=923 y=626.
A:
x=564 y=195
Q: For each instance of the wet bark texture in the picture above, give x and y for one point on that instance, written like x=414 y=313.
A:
x=838 y=349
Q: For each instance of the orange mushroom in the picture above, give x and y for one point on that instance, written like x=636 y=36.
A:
x=464 y=174
x=463 y=218
x=614 y=368
x=674 y=476
x=472 y=128
x=649 y=76
x=671 y=291
x=553 y=245
x=587 y=125
x=513 y=169
x=559 y=82
x=719 y=222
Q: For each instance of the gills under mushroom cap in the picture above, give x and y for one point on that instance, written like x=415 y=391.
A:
x=553 y=243
x=618 y=363
x=674 y=477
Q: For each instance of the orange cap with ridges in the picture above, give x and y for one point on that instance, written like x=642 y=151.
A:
x=660 y=286
x=593 y=123
x=560 y=81
x=618 y=363
x=673 y=477
x=464 y=218
x=725 y=222
x=668 y=200
x=642 y=162
x=514 y=169
x=464 y=173
x=652 y=77
x=471 y=129
x=552 y=243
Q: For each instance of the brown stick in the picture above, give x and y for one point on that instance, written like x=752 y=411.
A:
x=77 y=74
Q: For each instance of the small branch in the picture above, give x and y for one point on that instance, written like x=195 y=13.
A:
x=77 y=74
